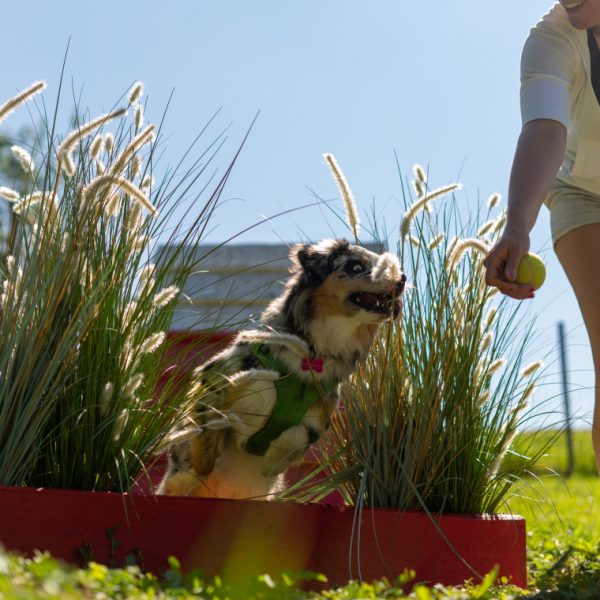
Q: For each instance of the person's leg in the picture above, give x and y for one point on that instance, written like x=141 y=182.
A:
x=579 y=254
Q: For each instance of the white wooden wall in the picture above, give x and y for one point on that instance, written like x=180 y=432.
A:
x=231 y=286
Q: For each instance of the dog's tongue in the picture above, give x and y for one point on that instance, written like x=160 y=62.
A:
x=368 y=298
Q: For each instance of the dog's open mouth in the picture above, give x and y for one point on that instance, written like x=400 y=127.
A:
x=377 y=303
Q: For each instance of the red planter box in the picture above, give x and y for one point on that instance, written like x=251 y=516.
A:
x=245 y=537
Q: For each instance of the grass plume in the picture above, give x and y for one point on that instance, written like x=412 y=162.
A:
x=9 y=106
x=349 y=203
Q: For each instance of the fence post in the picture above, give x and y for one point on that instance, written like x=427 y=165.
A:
x=567 y=407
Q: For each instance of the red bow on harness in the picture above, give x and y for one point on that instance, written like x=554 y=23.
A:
x=312 y=364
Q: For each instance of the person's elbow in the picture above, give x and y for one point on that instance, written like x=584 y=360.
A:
x=547 y=132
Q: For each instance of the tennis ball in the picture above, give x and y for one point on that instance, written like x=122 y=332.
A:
x=531 y=270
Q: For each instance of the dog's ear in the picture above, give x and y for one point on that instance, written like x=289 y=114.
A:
x=296 y=252
x=314 y=265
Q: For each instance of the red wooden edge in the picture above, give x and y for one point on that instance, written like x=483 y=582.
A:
x=243 y=538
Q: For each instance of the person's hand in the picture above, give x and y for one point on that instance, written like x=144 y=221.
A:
x=502 y=261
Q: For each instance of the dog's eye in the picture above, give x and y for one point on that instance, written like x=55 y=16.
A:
x=354 y=267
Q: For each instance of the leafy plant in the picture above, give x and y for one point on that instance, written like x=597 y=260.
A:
x=44 y=577
x=84 y=310
x=428 y=419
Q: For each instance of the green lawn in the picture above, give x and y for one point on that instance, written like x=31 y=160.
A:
x=555 y=457
x=563 y=520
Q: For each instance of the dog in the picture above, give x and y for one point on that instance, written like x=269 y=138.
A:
x=257 y=406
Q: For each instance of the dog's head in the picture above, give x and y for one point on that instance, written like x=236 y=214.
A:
x=348 y=280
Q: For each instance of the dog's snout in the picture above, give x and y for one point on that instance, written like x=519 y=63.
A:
x=401 y=283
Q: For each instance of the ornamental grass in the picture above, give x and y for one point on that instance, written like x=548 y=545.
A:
x=428 y=419
x=84 y=310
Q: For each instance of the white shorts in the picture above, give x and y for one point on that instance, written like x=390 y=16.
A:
x=571 y=207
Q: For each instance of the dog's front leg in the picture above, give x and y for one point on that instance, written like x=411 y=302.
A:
x=287 y=449
x=205 y=449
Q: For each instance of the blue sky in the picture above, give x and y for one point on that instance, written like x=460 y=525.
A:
x=435 y=82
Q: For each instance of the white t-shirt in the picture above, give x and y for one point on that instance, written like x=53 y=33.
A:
x=556 y=84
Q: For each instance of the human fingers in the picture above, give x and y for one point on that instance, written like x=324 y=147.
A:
x=518 y=291
x=495 y=263
x=501 y=269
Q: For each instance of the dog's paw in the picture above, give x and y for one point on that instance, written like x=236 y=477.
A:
x=275 y=462
x=244 y=377
x=229 y=421
x=286 y=450
x=180 y=484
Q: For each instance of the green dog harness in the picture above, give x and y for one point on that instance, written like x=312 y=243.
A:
x=294 y=398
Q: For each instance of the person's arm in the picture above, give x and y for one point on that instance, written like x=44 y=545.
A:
x=549 y=60
x=539 y=154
